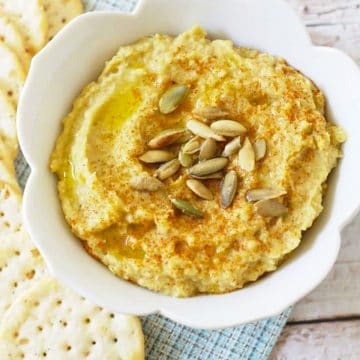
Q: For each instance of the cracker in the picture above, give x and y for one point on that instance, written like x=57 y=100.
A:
x=10 y=208
x=30 y=18
x=8 y=137
x=60 y=12
x=51 y=321
x=12 y=37
x=12 y=74
x=20 y=267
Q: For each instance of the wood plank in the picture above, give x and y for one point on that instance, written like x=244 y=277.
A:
x=332 y=23
x=323 y=341
x=339 y=295
x=335 y=23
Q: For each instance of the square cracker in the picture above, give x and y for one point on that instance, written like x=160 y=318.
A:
x=51 y=321
x=20 y=267
x=29 y=16
x=60 y=12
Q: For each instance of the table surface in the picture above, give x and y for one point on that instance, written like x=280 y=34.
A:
x=326 y=324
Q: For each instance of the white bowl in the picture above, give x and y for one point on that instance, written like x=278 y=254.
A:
x=77 y=55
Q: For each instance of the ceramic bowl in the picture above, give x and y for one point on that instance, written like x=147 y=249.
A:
x=77 y=55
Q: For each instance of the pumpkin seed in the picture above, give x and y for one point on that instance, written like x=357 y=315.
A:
x=260 y=149
x=232 y=147
x=247 y=156
x=208 y=167
x=270 y=208
x=186 y=160
x=217 y=175
x=208 y=149
x=193 y=145
x=199 y=189
x=202 y=130
x=184 y=138
x=166 y=137
x=172 y=98
x=210 y=112
x=228 y=128
x=168 y=169
x=145 y=183
x=156 y=156
x=264 y=194
x=228 y=188
x=187 y=208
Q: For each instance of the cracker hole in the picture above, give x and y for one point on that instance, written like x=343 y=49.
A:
x=63 y=20
x=10 y=93
x=86 y=353
x=22 y=355
x=58 y=302
x=23 y=341
x=17 y=252
x=39 y=328
x=115 y=340
x=2 y=214
x=15 y=284
x=112 y=315
x=87 y=321
x=30 y=274
x=93 y=342
x=15 y=334
x=36 y=303
x=44 y=354
x=68 y=347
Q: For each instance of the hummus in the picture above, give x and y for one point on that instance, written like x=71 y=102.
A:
x=142 y=236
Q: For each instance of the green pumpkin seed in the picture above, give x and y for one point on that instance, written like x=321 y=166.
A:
x=228 y=128
x=210 y=112
x=247 y=156
x=146 y=183
x=208 y=149
x=264 y=194
x=270 y=208
x=193 y=145
x=260 y=149
x=216 y=175
x=172 y=98
x=228 y=188
x=156 y=156
x=208 y=167
x=199 y=189
x=168 y=169
x=202 y=130
x=187 y=208
x=186 y=160
x=166 y=137
x=232 y=147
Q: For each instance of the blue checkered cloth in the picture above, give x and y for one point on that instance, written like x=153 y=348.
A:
x=165 y=339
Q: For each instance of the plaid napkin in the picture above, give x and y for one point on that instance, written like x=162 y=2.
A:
x=165 y=339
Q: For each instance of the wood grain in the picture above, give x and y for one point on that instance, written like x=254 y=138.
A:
x=323 y=341
x=335 y=23
x=330 y=23
x=339 y=295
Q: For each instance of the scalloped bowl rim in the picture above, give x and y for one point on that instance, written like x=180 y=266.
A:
x=195 y=312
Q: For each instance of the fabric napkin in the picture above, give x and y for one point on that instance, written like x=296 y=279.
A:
x=166 y=339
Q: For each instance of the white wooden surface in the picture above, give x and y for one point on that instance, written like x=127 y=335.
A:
x=326 y=324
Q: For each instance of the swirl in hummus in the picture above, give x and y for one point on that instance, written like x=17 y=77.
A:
x=181 y=229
